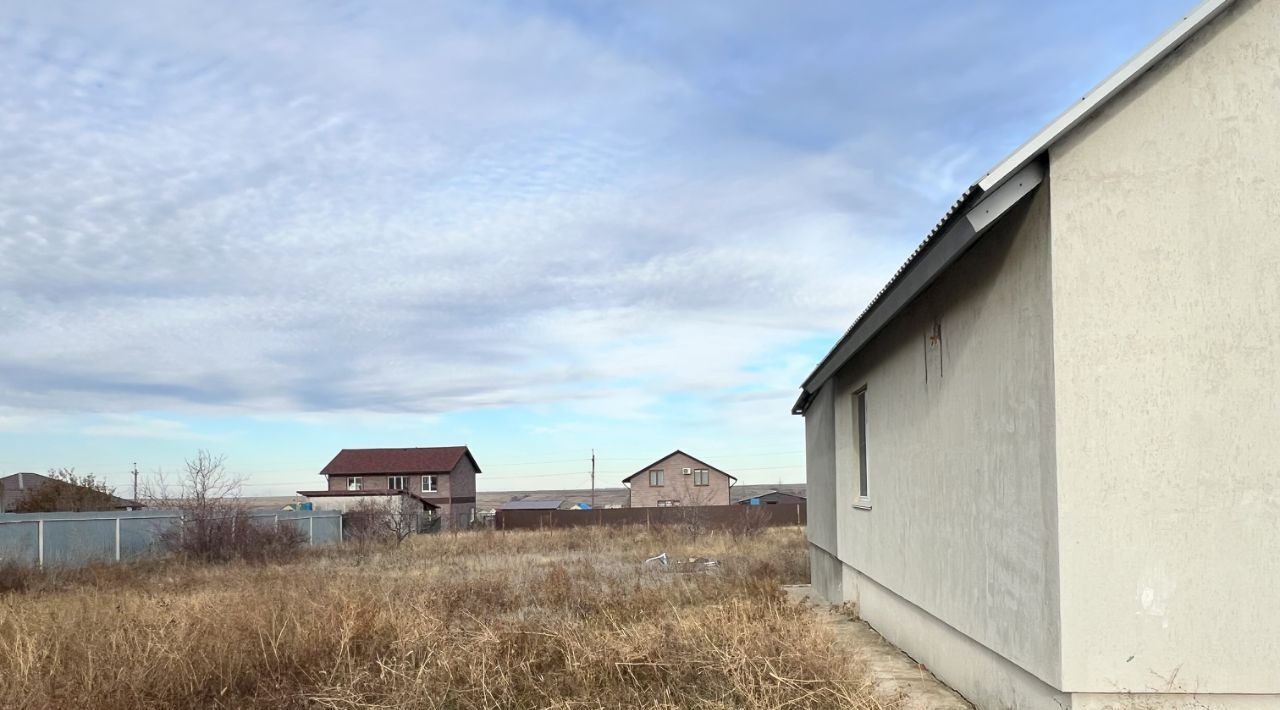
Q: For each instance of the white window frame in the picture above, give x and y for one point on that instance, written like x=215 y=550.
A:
x=433 y=488
x=668 y=503
x=862 y=460
x=355 y=483
x=701 y=477
x=659 y=475
x=393 y=480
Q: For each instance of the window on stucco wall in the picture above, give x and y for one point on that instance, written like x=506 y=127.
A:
x=860 y=440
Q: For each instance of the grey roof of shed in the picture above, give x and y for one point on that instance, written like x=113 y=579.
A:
x=984 y=202
x=525 y=504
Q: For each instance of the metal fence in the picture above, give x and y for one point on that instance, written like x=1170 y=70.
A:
x=71 y=539
x=712 y=517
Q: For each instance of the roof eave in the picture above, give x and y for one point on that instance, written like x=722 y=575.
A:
x=1116 y=82
x=1011 y=169
x=952 y=238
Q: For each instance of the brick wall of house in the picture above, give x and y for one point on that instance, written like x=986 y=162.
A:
x=444 y=485
x=462 y=484
x=679 y=487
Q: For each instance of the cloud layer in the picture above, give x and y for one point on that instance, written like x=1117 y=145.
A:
x=434 y=207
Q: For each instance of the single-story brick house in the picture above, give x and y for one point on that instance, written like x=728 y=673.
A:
x=1044 y=460
x=17 y=487
x=441 y=478
x=678 y=479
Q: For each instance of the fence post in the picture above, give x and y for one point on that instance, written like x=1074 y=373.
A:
x=311 y=530
x=646 y=519
x=117 y=538
x=40 y=543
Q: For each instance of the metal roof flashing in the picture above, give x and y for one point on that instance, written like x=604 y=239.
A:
x=982 y=204
x=1120 y=79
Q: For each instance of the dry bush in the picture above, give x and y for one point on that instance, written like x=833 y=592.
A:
x=67 y=491
x=555 y=619
x=216 y=525
x=755 y=520
x=389 y=521
x=224 y=535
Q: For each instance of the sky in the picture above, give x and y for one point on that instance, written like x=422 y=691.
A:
x=277 y=229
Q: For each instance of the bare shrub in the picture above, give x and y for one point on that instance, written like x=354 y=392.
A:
x=216 y=525
x=16 y=577
x=753 y=521
x=385 y=521
x=694 y=514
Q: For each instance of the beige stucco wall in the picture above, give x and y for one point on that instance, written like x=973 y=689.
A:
x=820 y=474
x=1166 y=287
x=348 y=503
x=962 y=522
x=679 y=487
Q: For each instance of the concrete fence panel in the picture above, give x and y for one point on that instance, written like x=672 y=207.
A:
x=19 y=542
x=73 y=539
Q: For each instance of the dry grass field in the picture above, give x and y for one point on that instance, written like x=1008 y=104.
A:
x=560 y=619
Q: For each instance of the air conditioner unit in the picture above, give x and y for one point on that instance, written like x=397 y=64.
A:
x=686 y=471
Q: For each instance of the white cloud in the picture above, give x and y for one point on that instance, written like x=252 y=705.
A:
x=408 y=207
x=136 y=426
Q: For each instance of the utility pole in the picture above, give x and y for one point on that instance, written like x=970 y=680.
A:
x=135 y=481
x=593 y=479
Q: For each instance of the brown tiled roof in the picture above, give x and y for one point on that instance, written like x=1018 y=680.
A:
x=435 y=459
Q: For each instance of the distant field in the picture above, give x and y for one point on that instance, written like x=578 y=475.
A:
x=468 y=620
x=487 y=500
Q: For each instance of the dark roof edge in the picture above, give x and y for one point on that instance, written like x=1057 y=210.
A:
x=1027 y=155
x=1108 y=88
x=968 y=219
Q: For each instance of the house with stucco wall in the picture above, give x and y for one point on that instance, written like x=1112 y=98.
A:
x=1044 y=460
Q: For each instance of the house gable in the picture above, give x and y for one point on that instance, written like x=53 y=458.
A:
x=673 y=454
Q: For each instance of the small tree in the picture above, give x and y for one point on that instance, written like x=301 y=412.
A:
x=694 y=512
x=216 y=525
x=387 y=521
x=67 y=492
x=752 y=521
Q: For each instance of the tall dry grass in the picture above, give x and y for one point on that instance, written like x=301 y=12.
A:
x=565 y=619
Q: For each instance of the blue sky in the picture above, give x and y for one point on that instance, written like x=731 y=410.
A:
x=536 y=228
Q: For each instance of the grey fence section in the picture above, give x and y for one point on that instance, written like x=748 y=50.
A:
x=71 y=539
x=711 y=517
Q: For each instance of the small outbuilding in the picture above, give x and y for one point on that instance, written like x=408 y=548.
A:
x=527 y=504
x=772 y=498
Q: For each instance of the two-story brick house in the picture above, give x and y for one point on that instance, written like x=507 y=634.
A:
x=678 y=479
x=441 y=478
